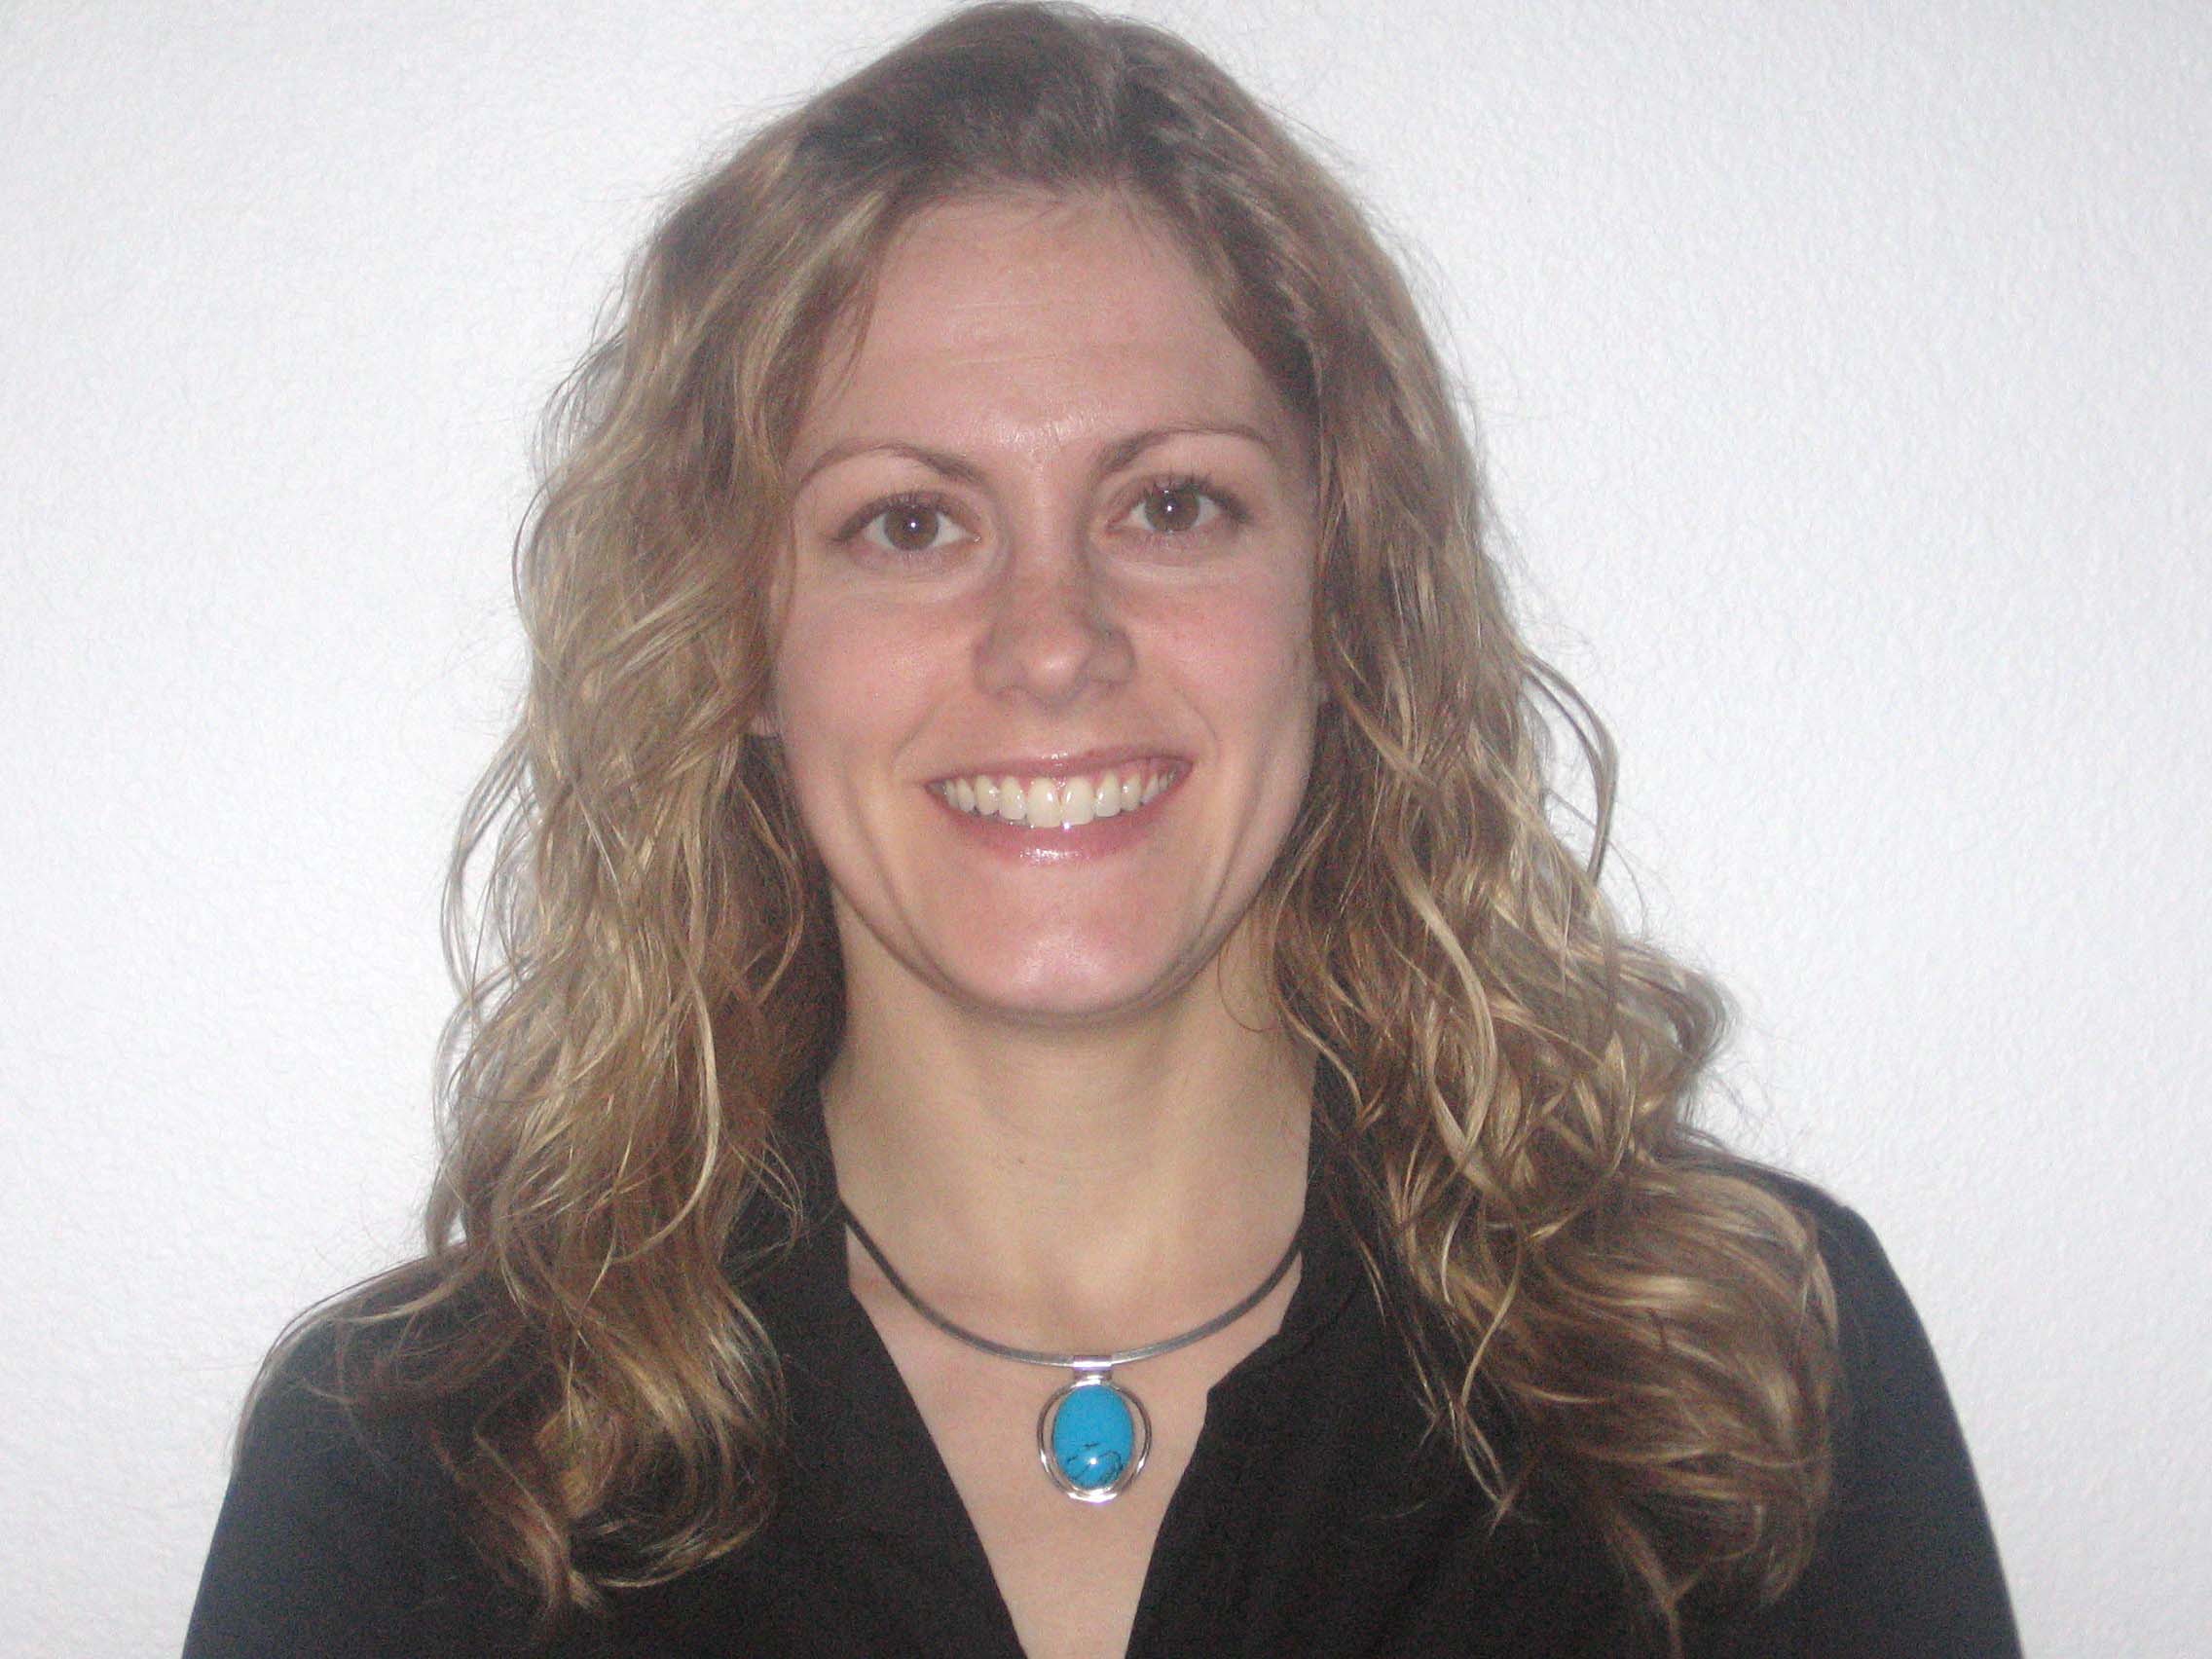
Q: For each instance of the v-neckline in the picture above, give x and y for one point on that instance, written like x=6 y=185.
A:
x=916 y=1497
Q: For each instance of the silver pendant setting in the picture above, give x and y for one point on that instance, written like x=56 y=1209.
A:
x=1093 y=1437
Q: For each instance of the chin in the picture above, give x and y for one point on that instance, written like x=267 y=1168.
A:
x=1066 y=989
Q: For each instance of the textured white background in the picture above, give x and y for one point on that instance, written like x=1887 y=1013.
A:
x=1844 y=372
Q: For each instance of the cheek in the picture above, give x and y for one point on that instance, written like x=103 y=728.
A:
x=843 y=684
x=1250 y=657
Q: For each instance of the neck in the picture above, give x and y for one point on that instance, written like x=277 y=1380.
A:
x=1091 y=1186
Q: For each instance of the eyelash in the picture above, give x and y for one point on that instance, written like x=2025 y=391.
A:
x=929 y=500
x=907 y=500
x=1231 y=508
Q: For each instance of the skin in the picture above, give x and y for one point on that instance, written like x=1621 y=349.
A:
x=1048 y=505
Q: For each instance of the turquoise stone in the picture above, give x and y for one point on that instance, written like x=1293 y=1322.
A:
x=1093 y=1437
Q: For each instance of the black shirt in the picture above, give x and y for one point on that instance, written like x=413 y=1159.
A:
x=1313 y=1519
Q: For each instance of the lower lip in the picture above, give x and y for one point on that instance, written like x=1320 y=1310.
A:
x=1098 y=838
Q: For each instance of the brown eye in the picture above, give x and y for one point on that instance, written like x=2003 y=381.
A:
x=910 y=526
x=1171 y=509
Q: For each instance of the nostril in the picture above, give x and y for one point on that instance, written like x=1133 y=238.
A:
x=1052 y=643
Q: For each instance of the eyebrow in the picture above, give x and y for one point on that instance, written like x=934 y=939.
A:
x=1122 y=452
x=1127 y=450
x=937 y=461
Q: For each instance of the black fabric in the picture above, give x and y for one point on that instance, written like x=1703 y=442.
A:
x=1312 y=1518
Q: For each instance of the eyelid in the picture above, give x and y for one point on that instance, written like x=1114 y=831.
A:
x=931 y=501
x=1227 y=502
x=1230 y=506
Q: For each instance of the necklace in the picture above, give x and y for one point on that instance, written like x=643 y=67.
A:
x=1094 y=1434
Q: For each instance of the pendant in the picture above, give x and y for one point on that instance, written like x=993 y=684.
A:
x=1093 y=1437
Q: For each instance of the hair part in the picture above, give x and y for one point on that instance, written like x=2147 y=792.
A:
x=654 y=969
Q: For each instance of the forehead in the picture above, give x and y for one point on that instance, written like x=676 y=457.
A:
x=1010 y=319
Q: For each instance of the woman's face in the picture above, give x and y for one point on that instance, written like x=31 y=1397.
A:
x=1045 y=683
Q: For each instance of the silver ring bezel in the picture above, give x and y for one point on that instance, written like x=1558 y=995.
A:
x=1140 y=1421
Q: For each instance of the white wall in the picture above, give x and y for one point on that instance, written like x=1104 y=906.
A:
x=1845 y=372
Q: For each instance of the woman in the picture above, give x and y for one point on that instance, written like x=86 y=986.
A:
x=1049 y=1086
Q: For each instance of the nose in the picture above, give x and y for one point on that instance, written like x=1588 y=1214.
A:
x=1051 y=633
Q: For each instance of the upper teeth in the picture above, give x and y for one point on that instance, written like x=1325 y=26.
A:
x=1057 y=803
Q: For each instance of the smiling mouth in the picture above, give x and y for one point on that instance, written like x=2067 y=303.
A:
x=1062 y=803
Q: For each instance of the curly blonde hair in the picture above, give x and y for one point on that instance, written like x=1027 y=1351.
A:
x=655 y=968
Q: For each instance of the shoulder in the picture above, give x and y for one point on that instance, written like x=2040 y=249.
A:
x=1871 y=1303
x=1906 y=1562
x=315 y=1420
x=1889 y=1368
x=299 y=1420
x=341 y=1532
